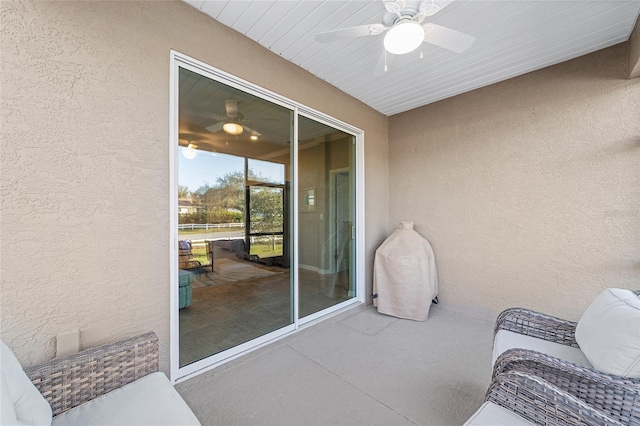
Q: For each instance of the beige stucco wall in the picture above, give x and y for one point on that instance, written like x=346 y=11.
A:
x=85 y=161
x=529 y=189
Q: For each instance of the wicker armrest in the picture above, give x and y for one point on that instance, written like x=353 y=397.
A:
x=72 y=380
x=536 y=324
x=542 y=403
x=616 y=397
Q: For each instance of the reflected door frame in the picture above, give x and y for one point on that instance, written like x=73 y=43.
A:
x=334 y=246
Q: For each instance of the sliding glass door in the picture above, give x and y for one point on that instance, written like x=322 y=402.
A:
x=265 y=220
x=233 y=210
x=325 y=216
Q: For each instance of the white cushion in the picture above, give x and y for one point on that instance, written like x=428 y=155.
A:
x=506 y=340
x=22 y=403
x=495 y=415
x=151 y=400
x=609 y=333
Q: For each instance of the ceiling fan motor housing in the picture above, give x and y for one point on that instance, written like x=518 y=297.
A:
x=410 y=10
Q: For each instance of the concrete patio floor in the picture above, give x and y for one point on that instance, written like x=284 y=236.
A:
x=357 y=368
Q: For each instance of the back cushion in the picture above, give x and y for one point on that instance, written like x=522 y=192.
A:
x=609 y=333
x=22 y=403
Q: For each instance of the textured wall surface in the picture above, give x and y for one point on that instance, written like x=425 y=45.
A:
x=85 y=161
x=529 y=189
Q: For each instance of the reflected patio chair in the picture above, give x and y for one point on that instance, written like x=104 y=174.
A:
x=186 y=259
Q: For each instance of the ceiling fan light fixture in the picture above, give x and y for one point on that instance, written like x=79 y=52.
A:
x=233 y=129
x=190 y=151
x=404 y=37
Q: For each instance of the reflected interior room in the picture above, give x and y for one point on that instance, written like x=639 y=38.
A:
x=235 y=210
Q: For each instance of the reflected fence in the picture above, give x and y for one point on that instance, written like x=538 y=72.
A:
x=205 y=226
x=262 y=244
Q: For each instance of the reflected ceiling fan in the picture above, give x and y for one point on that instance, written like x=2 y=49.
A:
x=406 y=27
x=233 y=123
x=188 y=147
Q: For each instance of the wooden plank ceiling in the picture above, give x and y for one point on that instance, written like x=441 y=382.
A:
x=512 y=38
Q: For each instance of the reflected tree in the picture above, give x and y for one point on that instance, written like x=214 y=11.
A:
x=224 y=202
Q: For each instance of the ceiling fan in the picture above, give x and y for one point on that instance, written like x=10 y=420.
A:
x=233 y=123
x=406 y=27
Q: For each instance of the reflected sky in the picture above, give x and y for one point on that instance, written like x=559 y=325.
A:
x=206 y=167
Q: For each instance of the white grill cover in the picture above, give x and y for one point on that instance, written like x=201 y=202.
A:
x=405 y=277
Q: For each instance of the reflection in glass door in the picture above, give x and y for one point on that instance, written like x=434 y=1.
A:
x=326 y=216
x=233 y=210
x=265 y=236
x=261 y=188
x=340 y=213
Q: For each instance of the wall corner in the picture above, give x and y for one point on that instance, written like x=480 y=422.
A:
x=634 y=51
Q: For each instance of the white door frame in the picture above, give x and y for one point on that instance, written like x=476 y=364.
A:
x=179 y=60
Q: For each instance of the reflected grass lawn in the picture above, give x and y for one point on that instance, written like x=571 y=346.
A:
x=266 y=249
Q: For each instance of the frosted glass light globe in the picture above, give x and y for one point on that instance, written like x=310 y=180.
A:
x=404 y=37
x=234 y=129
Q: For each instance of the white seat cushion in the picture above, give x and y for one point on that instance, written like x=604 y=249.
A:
x=506 y=340
x=495 y=415
x=151 y=400
x=21 y=402
x=609 y=333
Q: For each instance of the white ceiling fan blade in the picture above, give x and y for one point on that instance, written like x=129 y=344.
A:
x=384 y=63
x=447 y=38
x=202 y=114
x=215 y=128
x=250 y=130
x=350 y=32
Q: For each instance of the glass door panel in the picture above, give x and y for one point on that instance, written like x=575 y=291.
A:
x=266 y=207
x=233 y=217
x=326 y=209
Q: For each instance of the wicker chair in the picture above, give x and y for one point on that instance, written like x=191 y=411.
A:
x=542 y=403
x=116 y=383
x=77 y=378
x=615 y=396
